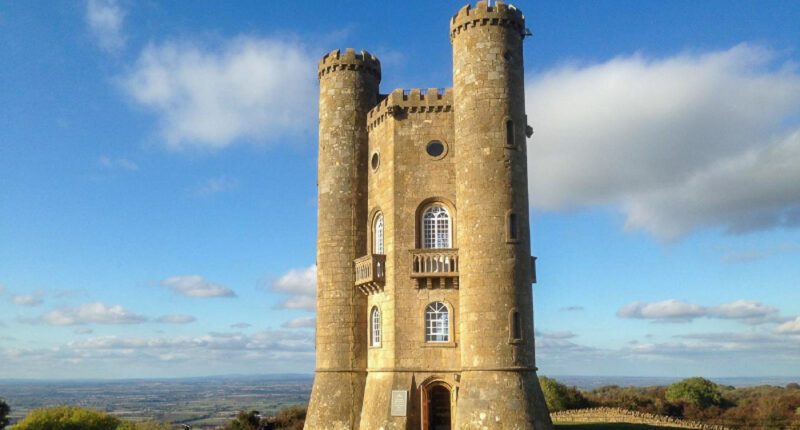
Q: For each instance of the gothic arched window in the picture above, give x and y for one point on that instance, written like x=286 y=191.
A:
x=377 y=234
x=375 y=319
x=437 y=323
x=436 y=228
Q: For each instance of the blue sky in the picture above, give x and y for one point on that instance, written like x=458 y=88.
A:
x=158 y=162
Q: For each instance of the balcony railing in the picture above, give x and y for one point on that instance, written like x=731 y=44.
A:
x=370 y=273
x=435 y=268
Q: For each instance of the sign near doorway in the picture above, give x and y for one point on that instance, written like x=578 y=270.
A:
x=399 y=403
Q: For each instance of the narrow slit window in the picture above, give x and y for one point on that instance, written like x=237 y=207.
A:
x=510 y=133
x=516 y=328
x=512 y=227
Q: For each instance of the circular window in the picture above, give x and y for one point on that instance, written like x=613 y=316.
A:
x=435 y=149
x=375 y=161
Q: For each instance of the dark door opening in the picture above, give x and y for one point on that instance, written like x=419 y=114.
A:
x=438 y=408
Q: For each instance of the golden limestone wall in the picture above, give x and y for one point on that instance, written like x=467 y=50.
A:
x=348 y=89
x=499 y=387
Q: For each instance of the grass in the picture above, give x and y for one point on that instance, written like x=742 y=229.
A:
x=608 y=426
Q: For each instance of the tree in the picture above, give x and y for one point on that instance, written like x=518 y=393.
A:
x=697 y=391
x=67 y=418
x=559 y=397
x=4 y=410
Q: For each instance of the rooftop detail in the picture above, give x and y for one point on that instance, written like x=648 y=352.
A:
x=484 y=14
x=349 y=60
x=416 y=100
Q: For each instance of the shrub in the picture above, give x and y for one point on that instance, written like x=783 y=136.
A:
x=67 y=418
x=559 y=397
x=699 y=392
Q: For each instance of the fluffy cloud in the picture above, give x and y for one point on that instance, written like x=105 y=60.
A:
x=27 y=299
x=98 y=313
x=105 y=18
x=302 y=322
x=176 y=319
x=789 y=327
x=248 y=89
x=672 y=310
x=118 y=356
x=301 y=286
x=196 y=286
x=676 y=143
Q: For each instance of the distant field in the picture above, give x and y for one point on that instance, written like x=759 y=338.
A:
x=201 y=403
x=608 y=426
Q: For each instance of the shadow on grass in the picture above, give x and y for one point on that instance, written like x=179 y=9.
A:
x=608 y=426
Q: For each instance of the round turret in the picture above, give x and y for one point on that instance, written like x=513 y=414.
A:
x=348 y=89
x=495 y=296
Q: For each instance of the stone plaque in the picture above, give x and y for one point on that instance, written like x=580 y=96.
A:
x=399 y=403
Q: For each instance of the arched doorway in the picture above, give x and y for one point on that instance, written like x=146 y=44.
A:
x=436 y=407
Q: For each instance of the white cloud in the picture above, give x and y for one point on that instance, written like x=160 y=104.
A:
x=301 y=286
x=117 y=163
x=249 y=89
x=679 y=143
x=176 y=319
x=789 y=327
x=105 y=18
x=196 y=286
x=83 y=331
x=27 y=299
x=118 y=356
x=672 y=310
x=219 y=184
x=98 y=312
x=302 y=322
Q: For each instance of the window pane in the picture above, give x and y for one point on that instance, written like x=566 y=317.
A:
x=437 y=323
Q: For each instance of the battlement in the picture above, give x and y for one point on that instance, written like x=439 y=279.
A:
x=483 y=14
x=401 y=102
x=349 y=60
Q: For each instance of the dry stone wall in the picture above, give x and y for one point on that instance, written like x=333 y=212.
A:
x=619 y=415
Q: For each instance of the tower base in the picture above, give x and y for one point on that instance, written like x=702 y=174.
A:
x=336 y=401
x=501 y=400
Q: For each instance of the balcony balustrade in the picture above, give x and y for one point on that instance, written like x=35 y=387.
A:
x=435 y=267
x=370 y=273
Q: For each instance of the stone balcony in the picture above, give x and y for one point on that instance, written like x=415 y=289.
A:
x=370 y=273
x=435 y=268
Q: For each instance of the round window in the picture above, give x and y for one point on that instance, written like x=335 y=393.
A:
x=375 y=161
x=435 y=149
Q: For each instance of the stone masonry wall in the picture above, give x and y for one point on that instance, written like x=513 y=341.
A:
x=618 y=415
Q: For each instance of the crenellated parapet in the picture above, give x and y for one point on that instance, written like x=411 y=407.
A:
x=416 y=100
x=349 y=60
x=502 y=14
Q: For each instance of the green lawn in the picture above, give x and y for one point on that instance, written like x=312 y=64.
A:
x=608 y=426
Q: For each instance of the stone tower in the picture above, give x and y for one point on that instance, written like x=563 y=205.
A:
x=425 y=305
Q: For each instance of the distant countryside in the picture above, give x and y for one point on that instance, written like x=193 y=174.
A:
x=273 y=402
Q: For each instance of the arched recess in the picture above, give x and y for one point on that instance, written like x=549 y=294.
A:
x=437 y=403
x=424 y=206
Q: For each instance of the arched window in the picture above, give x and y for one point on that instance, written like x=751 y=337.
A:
x=437 y=323
x=375 y=318
x=436 y=228
x=377 y=243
